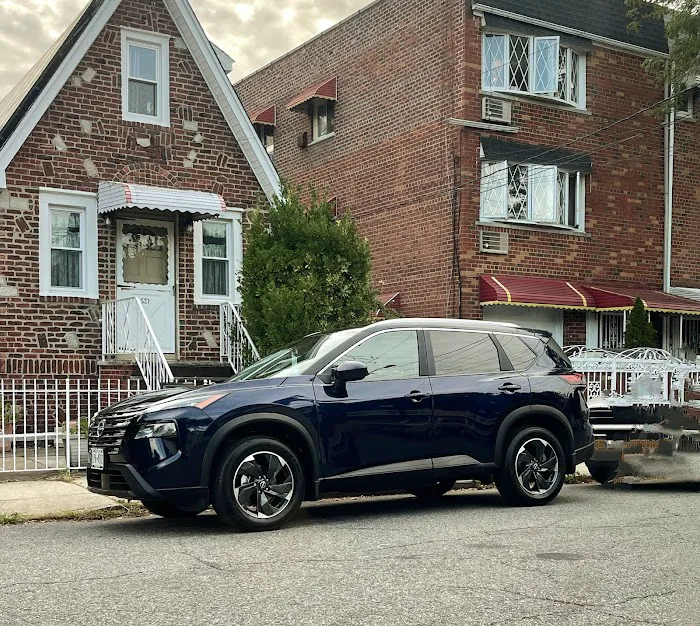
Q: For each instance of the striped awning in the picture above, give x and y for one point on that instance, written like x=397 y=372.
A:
x=327 y=90
x=563 y=294
x=114 y=196
x=267 y=115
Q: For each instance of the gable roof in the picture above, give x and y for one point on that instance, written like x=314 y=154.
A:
x=604 y=20
x=23 y=107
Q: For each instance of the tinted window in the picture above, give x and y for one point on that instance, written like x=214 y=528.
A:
x=520 y=356
x=388 y=356
x=458 y=354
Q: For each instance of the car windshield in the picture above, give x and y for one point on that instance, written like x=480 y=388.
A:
x=296 y=357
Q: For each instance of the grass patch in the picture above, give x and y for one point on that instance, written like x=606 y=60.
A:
x=121 y=510
x=8 y=519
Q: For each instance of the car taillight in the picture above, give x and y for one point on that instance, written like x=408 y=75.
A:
x=573 y=379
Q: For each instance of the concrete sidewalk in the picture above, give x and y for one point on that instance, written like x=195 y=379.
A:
x=47 y=498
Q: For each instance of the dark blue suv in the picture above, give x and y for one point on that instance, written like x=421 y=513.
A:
x=411 y=404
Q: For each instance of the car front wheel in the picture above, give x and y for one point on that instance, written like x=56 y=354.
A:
x=258 y=484
x=533 y=467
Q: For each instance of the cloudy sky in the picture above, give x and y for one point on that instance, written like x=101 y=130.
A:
x=253 y=31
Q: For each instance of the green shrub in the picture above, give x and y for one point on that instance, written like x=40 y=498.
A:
x=640 y=333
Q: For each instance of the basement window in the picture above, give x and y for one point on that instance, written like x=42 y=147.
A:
x=145 y=77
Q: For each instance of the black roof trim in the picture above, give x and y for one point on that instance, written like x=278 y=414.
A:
x=514 y=27
x=51 y=68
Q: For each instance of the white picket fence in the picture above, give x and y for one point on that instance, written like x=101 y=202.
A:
x=44 y=422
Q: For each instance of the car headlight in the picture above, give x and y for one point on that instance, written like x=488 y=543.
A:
x=157 y=430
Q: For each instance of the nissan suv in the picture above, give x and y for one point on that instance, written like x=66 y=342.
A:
x=410 y=404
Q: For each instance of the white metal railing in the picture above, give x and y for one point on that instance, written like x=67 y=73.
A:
x=127 y=330
x=237 y=346
x=637 y=377
x=44 y=423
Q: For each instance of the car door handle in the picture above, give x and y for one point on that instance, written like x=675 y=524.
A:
x=417 y=396
x=509 y=387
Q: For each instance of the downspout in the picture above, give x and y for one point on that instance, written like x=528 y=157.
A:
x=669 y=149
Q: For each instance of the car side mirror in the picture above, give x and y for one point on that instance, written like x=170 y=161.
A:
x=350 y=371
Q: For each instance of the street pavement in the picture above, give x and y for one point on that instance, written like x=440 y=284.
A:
x=623 y=555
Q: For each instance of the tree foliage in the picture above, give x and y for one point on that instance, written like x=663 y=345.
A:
x=640 y=333
x=682 y=24
x=304 y=271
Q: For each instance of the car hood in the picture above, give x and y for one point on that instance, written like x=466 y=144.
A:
x=142 y=401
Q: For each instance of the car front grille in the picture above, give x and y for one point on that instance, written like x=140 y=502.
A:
x=107 y=431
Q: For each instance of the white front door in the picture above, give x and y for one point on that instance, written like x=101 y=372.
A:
x=146 y=270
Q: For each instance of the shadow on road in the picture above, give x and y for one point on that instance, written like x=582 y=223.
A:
x=655 y=487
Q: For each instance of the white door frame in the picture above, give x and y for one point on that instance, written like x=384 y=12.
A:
x=167 y=337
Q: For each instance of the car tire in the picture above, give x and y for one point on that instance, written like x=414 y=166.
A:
x=430 y=493
x=169 y=511
x=258 y=484
x=532 y=469
x=603 y=472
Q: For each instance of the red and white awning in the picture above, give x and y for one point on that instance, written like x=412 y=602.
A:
x=326 y=90
x=267 y=115
x=114 y=196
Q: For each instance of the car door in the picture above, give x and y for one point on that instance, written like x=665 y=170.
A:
x=474 y=388
x=376 y=433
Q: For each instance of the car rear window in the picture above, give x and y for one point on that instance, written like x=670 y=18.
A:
x=518 y=352
x=557 y=355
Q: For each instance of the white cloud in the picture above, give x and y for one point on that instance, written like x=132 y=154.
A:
x=253 y=32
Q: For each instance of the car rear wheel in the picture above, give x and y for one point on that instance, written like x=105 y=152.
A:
x=533 y=467
x=433 y=492
x=258 y=484
x=603 y=472
x=167 y=510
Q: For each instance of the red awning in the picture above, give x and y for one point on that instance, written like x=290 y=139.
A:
x=268 y=116
x=622 y=298
x=328 y=90
x=563 y=294
x=527 y=291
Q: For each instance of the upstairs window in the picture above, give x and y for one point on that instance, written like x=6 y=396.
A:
x=266 y=134
x=323 y=118
x=685 y=105
x=537 y=194
x=145 y=77
x=533 y=65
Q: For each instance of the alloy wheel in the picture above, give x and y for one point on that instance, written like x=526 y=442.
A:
x=537 y=467
x=263 y=485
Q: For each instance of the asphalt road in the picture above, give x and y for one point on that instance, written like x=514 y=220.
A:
x=628 y=555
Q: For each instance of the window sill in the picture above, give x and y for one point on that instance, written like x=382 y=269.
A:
x=68 y=295
x=532 y=98
x=145 y=119
x=534 y=227
x=321 y=139
x=214 y=301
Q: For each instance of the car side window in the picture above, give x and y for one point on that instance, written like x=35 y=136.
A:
x=460 y=354
x=388 y=356
x=519 y=354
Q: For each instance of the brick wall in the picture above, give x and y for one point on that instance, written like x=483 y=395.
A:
x=404 y=67
x=82 y=140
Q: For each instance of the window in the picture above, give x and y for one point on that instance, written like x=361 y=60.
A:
x=685 y=105
x=540 y=194
x=145 y=77
x=460 y=353
x=388 y=356
x=521 y=357
x=218 y=256
x=323 y=118
x=533 y=65
x=67 y=244
x=266 y=134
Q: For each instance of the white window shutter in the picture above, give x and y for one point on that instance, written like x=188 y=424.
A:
x=545 y=69
x=494 y=190
x=542 y=193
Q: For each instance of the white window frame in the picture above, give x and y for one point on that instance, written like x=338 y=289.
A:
x=78 y=202
x=233 y=220
x=315 y=105
x=161 y=44
x=687 y=113
x=548 y=95
x=495 y=189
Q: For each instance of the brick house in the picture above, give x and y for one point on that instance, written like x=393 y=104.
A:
x=502 y=157
x=127 y=164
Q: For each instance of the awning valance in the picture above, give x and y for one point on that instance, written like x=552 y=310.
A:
x=115 y=196
x=563 y=294
x=327 y=90
x=497 y=150
x=267 y=115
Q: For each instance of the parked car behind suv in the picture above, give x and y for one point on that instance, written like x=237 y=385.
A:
x=410 y=404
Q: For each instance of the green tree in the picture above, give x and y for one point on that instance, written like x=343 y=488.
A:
x=303 y=271
x=682 y=24
x=640 y=332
